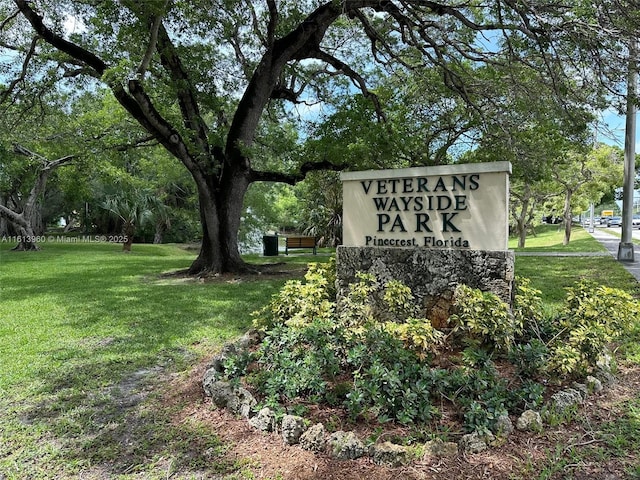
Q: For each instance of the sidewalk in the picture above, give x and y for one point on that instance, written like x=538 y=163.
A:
x=611 y=243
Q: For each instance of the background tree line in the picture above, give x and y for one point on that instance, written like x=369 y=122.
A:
x=219 y=110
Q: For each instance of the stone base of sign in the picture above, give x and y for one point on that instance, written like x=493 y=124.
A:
x=432 y=275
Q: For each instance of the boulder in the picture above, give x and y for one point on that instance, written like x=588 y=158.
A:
x=390 y=454
x=237 y=400
x=292 y=429
x=242 y=402
x=475 y=442
x=593 y=384
x=264 y=421
x=314 y=438
x=437 y=448
x=529 y=421
x=345 y=446
x=504 y=426
x=565 y=399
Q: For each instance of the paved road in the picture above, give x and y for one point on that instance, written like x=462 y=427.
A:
x=611 y=242
x=618 y=231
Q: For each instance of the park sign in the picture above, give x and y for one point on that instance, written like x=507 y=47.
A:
x=432 y=228
x=462 y=206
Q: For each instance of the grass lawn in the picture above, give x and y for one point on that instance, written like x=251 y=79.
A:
x=552 y=274
x=549 y=238
x=84 y=326
x=76 y=322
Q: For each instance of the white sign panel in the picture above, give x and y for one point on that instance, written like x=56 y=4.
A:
x=451 y=206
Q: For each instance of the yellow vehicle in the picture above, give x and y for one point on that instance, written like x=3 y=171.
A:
x=605 y=216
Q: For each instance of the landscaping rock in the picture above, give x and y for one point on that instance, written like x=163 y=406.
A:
x=251 y=338
x=242 y=402
x=237 y=399
x=219 y=391
x=217 y=362
x=314 y=438
x=566 y=399
x=593 y=384
x=504 y=426
x=438 y=448
x=475 y=442
x=606 y=378
x=582 y=389
x=292 y=429
x=264 y=421
x=345 y=446
x=604 y=362
x=529 y=421
x=390 y=454
x=210 y=376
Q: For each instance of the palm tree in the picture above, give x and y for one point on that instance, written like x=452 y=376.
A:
x=133 y=210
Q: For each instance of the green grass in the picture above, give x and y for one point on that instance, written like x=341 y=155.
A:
x=552 y=274
x=77 y=321
x=549 y=238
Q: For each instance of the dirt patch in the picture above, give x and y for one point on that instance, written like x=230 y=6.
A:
x=278 y=270
x=552 y=452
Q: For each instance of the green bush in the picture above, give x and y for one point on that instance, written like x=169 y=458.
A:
x=530 y=359
x=592 y=318
x=527 y=304
x=299 y=303
x=483 y=318
x=389 y=381
x=298 y=361
x=372 y=354
x=358 y=306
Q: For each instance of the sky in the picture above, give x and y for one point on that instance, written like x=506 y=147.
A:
x=616 y=125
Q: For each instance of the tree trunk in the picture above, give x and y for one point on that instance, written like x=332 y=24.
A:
x=26 y=235
x=27 y=241
x=159 y=232
x=128 y=230
x=521 y=225
x=220 y=217
x=567 y=216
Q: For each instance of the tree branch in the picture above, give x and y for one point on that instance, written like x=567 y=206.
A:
x=354 y=76
x=46 y=167
x=23 y=73
x=162 y=130
x=273 y=22
x=295 y=177
x=187 y=97
x=10 y=17
x=55 y=40
x=153 y=40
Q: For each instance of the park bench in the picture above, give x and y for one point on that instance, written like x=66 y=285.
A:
x=299 y=242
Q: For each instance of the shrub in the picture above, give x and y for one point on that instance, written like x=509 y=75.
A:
x=357 y=308
x=483 y=318
x=530 y=359
x=389 y=382
x=298 y=361
x=418 y=335
x=299 y=303
x=528 y=311
x=372 y=354
x=593 y=317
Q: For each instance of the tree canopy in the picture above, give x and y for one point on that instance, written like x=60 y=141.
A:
x=219 y=83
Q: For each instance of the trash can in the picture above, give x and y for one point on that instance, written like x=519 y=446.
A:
x=270 y=245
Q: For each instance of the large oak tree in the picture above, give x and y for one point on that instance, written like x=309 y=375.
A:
x=201 y=76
